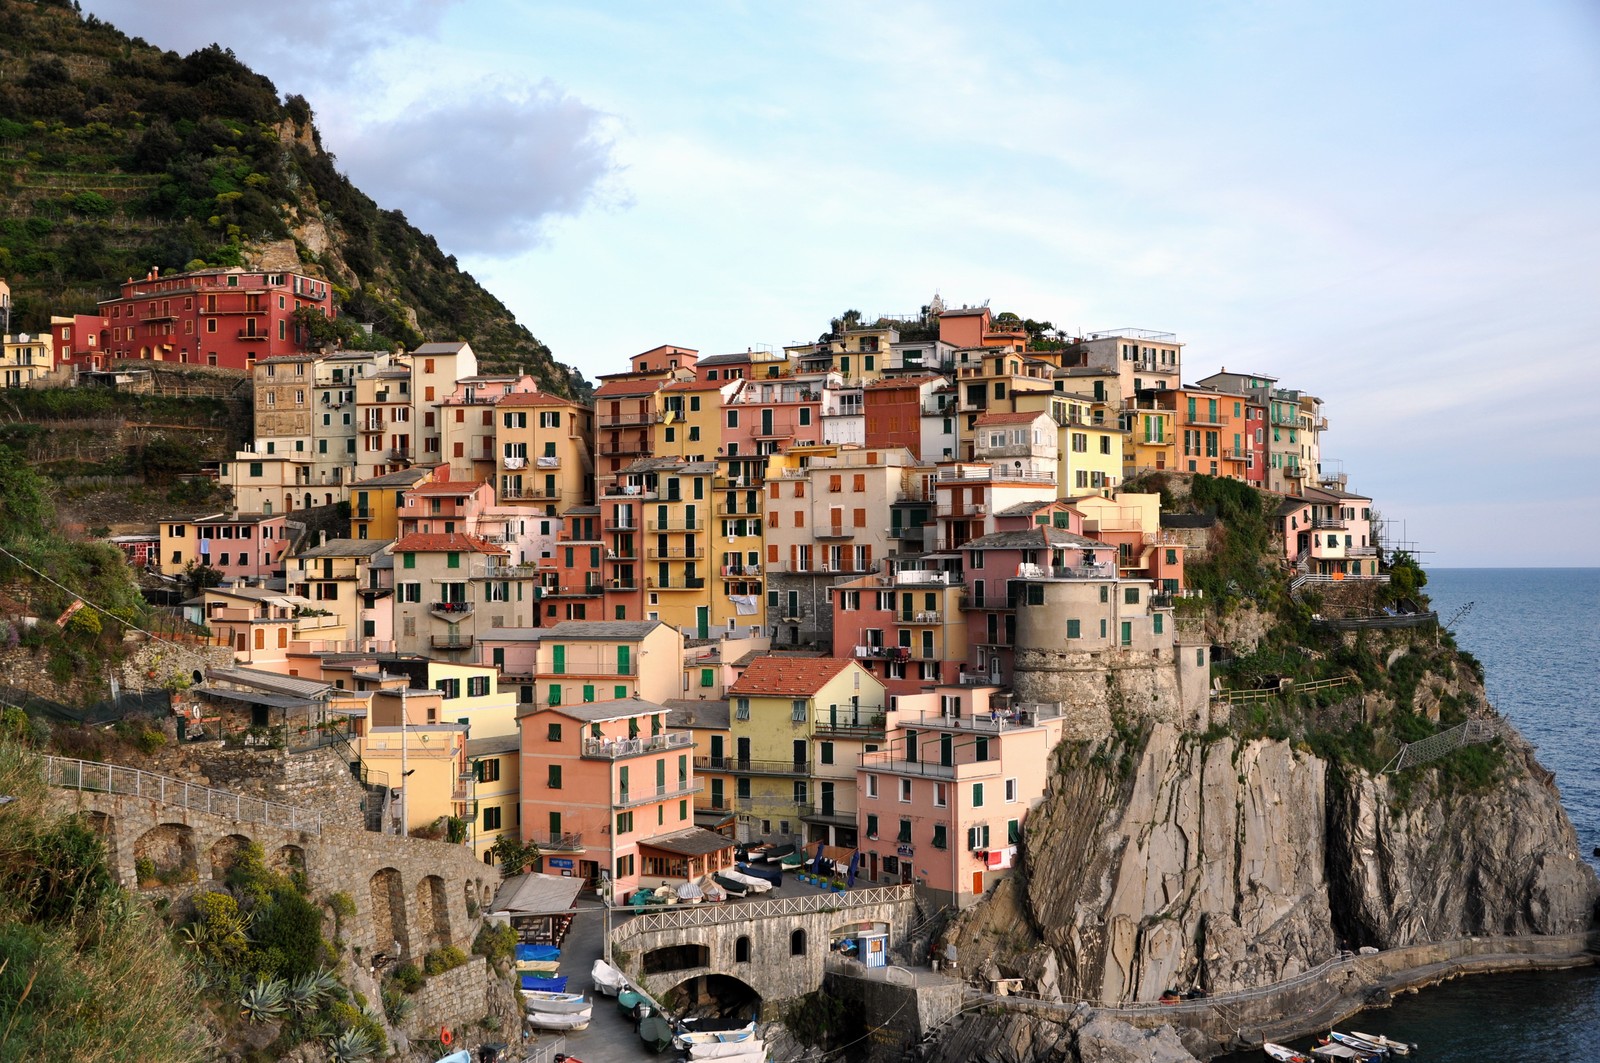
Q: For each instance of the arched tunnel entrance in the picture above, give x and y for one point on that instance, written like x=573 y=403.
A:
x=713 y=996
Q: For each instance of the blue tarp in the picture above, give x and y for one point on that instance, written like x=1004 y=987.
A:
x=772 y=873
x=549 y=985
x=527 y=953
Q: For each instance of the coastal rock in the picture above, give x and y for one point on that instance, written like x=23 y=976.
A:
x=1105 y=1040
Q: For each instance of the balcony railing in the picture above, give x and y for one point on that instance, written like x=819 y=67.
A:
x=558 y=843
x=532 y=492
x=620 y=449
x=671 y=791
x=589 y=668
x=923 y=616
x=623 y=525
x=687 y=583
x=747 y=766
x=617 y=748
x=625 y=420
x=627 y=490
x=1027 y=715
x=1328 y=523
x=675 y=553
x=833 y=531
x=886 y=760
x=851 y=723
x=455 y=609
x=697 y=524
x=451 y=642
x=398 y=454
x=988 y=601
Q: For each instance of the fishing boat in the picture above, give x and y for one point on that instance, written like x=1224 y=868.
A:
x=1333 y=1052
x=608 y=981
x=689 y=1037
x=775 y=855
x=627 y=1000
x=559 y=1020
x=723 y=1051
x=766 y=872
x=1284 y=1054
x=1357 y=1042
x=543 y=1000
x=752 y=883
x=691 y=893
x=732 y=887
x=794 y=861
x=656 y=1033
x=1398 y=1047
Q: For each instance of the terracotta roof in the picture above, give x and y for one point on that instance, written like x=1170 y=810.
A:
x=534 y=398
x=773 y=676
x=629 y=387
x=447 y=487
x=447 y=543
x=697 y=385
x=1010 y=418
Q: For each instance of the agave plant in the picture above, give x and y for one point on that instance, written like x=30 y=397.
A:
x=263 y=1001
x=194 y=936
x=351 y=1046
x=308 y=990
x=396 y=1005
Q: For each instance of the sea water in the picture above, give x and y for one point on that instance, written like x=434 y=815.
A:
x=1535 y=632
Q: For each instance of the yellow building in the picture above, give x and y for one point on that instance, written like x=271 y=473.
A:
x=793 y=771
x=425 y=759
x=350 y=578
x=375 y=503
x=1150 y=444
x=472 y=696
x=582 y=661
x=496 y=791
x=545 y=450
x=675 y=497
x=26 y=357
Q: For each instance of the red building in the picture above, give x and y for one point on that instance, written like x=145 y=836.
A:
x=81 y=340
x=893 y=409
x=230 y=318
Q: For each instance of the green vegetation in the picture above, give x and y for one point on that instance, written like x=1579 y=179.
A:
x=443 y=959
x=1239 y=567
x=118 y=156
x=496 y=941
x=84 y=972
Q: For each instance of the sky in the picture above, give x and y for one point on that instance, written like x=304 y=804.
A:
x=1395 y=207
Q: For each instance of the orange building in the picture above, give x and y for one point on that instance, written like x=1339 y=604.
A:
x=1211 y=430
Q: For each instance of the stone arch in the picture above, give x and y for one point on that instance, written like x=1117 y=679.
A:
x=433 y=914
x=224 y=853
x=713 y=994
x=797 y=942
x=389 y=932
x=741 y=949
x=289 y=859
x=167 y=854
x=676 y=958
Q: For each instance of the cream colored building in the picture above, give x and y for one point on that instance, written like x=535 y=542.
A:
x=344 y=577
x=544 y=449
x=26 y=357
x=451 y=588
x=435 y=369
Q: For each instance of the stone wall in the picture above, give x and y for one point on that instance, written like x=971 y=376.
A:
x=469 y=996
x=1092 y=686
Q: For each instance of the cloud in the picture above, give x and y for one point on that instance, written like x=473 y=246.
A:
x=324 y=45
x=485 y=175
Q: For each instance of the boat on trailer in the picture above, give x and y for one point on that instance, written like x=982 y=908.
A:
x=1401 y=1048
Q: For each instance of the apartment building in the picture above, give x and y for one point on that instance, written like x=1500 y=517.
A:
x=241 y=547
x=451 y=588
x=580 y=661
x=466 y=423
x=544 y=446
x=376 y=502
x=25 y=357
x=346 y=578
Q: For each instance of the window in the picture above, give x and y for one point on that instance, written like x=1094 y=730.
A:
x=741 y=709
x=1156 y=623
x=489 y=770
x=741 y=949
x=624 y=822
x=826 y=753
x=940 y=798
x=872 y=827
x=940 y=838
x=904 y=837
x=905 y=791
x=408 y=560
x=872 y=786
x=1074 y=629
x=1130 y=596
x=478 y=686
x=977 y=795
x=554 y=733
x=491 y=818
x=554 y=779
x=978 y=837
x=797 y=943
x=797 y=711
x=1011 y=791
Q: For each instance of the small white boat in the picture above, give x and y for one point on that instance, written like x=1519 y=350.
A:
x=750 y=882
x=1398 y=1047
x=1357 y=1042
x=723 y=1051
x=608 y=981
x=544 y=1000
x=1343 y=1053
x=1284 y=1054
x=713 y=1037
x=559 y=1020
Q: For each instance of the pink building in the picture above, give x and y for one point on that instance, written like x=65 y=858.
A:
x=943 y=804
x=609 y=790
x=906 y=628
x=572 y=577
x=1329 y=532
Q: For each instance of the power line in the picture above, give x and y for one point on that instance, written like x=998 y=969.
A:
x=100 y=608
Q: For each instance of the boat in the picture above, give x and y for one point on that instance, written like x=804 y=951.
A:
x=774 y=855
x=666 y=895
x=1357 y=1042
x=1342 y=1053
x=527 y=953
x=608 y=981
x=656 y=1033
x=628 y=999
x=752 y=883
x=1284 y=1054
x=1398 y=1047
x=697 y=1036
x=544 y=1000
x=794 y=861
x=722 y=1051
x=541 y=968
x=732 y=887
x=546 y=985
x=766 y=872
x=691 y=893
x=559 y=1020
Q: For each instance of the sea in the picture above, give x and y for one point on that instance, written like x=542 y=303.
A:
x=1534 y=631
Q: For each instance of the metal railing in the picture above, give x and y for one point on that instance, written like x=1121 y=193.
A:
x=747 y=766
x=615 y=748
x=96 y=777
x=682 y=916
x=628 y=799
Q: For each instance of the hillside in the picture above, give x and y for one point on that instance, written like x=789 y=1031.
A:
x=116 y=156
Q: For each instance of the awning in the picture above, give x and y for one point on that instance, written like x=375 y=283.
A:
x=252 y=697
x=536 y=894
x=694 y=841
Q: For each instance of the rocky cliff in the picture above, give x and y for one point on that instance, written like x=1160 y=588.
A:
x=1163 y=858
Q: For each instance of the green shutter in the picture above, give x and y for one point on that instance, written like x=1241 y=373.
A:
x=560 y=654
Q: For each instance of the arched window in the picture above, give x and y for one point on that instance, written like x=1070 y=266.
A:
x=797 y=943
x=741 y=950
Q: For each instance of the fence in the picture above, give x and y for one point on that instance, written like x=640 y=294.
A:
x=1242 y=697
x=96 y=777
x=722 y=914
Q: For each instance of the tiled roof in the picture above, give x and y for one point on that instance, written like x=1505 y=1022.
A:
x=629 y=387
x=447 y=543
x=535 y=398
x=1025 y=509
x=685 y=712
x=1010 y=418
x=441 y=347
x=609 y=630
x=346 y=548
x=1033 y=538
x=697 y=385
x=403 y=478
x=448 y=487
x=598 y=711
x=902 y=381
x=737 y=358
x=691 y=841
x=771 y=676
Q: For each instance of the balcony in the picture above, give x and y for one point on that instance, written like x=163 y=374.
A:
x=967 y=509
x=505 y=572
x=558 y=843
x=1022 y=716
x=697 y=524
x=584 y=669
x=746 y=766
x=398 y=454
x=894 y=763
x=843 y=567
x=1328 y=523
x=1294 y=472
x=684 y=583
x=627 y=491
x=675 y=553
x=611 y=450
x=833 y=531
x=624 y=525
x=246 y=335
x=852 y=724
x=451 y=642
x=922 y=617
x=625 y=420
x=361 y=514
x=741 y=571
x=669 y=792
x=883 y=653
x=451 y=611
x=619 y=748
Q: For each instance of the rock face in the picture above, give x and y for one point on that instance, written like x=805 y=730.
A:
x=1231 y=864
